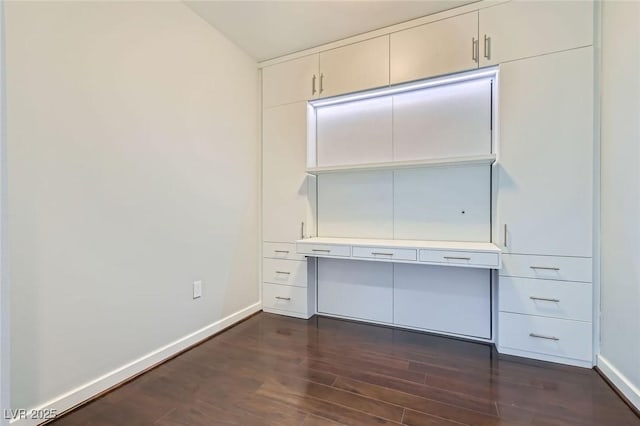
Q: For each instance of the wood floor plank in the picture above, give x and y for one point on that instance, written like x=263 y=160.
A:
x=276 y=370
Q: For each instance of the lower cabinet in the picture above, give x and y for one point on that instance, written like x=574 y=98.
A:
x=445 y=299
x=288 y=286
x=356 y=289
x=546 y=308
x=442 y=299
x=549 y=339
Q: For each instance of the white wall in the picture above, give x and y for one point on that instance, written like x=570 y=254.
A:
x=4 y=281
x=133 y=171
x=620 y=208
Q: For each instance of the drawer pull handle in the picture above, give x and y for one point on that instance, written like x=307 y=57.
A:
x=542 y=336
x=322 y=250
x=283 y=272
x=283 y=298
x=456 y=258
x=546 y=299
x=546 y=268
x=378 y=253
x=281 y=251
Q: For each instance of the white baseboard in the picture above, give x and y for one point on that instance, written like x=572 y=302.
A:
x=620 y=381
x=82 y=393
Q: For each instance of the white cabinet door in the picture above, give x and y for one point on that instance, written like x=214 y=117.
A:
x=292 y=81
x=355 y=67
x=441 y=47
x=442 y=298
x=546 y=154
x=521 y=29
x=284 y=184
x=356 y=289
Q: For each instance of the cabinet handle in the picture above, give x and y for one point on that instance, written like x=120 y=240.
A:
x=377 y=253
x=545 y=299
x=302 y=230
x=546 y=268
x=321 y=250
x=542 y=336
x=456 y=258
x=313 y=85
x=474 y=49
x=487 y=47
x=283 y=272
x=281 y=251
x=283 y=298
x=321 y=82
x=505 y=235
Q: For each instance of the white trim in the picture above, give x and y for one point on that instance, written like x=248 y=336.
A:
x=5 y=349
x=384 y=31
x=620 y=381
x=86 y=391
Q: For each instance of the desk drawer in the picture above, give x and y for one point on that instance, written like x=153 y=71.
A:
x=382 y=253
x=557 y=299
x=324 y=249
x=289 y=272
x=460 y=258
x=547 y=267
x=281 y=251
x=549 y=336
x=284 y=297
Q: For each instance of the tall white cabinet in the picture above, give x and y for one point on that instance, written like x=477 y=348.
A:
x=545 y=205
x=535 y=204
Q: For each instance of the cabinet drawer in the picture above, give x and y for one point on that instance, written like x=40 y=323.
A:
x=324 y=250
x=382 y=253
x=547 y=267
x=547 y=298
x=550 y=336
x=289 y=272
x=460 y=258
x=284 y=297
x=281 y=251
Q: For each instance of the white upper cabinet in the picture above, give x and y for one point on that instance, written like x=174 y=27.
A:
x=292 y=81
x=355 y=67
x=521 y=29
x=441 y=47
x=545 y=194
x=284 y=183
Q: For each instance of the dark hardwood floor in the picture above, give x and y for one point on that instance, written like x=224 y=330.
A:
x=273 y=370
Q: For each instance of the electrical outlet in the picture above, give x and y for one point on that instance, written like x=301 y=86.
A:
x=197 y=289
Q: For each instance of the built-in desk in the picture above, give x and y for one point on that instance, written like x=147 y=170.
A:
x=447 y=253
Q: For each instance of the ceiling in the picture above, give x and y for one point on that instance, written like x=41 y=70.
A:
x=268 y=29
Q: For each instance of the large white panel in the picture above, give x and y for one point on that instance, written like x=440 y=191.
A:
x=285 y=201
x=450 y=48
x=290 y=81
x=453 y=120
x=520 y=29
x=354 y=132
x=355 y=67
x=358 y=205
x=545 y=194
x=440 y=298
x=443 y=203
x=357 y=289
